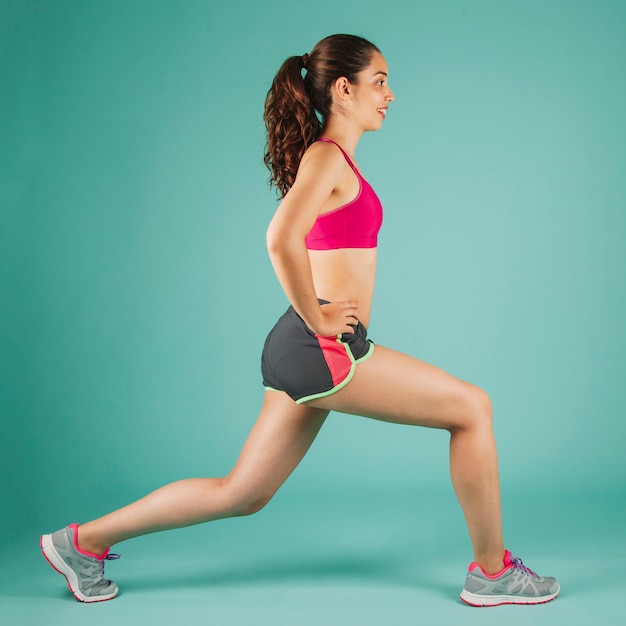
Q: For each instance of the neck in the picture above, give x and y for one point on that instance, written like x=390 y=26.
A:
x=345 y=134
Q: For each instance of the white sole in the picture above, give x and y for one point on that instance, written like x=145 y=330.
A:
x=478 y=600
x=57 y=562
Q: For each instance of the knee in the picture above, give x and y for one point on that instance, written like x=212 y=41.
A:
x=240 y=500
x=477 y=409
x=483 y=405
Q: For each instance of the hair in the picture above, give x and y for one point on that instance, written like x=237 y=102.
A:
x=296 y=108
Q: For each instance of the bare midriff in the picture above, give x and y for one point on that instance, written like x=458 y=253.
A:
x=345 y=274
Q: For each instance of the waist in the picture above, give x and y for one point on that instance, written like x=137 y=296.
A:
x=345 y=274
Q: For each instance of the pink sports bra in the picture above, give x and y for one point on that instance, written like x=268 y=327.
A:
x=353 y=225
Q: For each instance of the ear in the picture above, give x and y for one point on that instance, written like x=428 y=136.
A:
x=342 y=88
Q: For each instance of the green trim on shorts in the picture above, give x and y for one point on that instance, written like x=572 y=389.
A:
x=346 y=380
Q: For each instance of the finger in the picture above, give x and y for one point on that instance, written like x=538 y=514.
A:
x=351 y=313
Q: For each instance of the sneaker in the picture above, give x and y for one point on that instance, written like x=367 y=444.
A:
x=83 y=571
x=514 y=584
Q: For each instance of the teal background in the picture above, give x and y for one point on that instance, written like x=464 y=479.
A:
x=136 y=293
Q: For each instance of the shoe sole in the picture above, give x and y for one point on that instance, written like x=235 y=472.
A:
x=60 y=566
x=474 y=599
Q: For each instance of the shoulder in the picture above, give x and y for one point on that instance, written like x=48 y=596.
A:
x=320 y=172
x=322 y=167
x=322 y=158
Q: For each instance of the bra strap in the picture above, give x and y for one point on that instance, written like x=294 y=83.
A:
x=345 y=155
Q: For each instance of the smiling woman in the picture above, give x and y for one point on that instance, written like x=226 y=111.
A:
x=297 y=106
x=322 y=242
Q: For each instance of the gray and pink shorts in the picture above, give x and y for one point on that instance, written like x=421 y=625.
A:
x=306 y=366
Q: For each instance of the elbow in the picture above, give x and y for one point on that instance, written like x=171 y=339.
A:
x=278 y=251
x=273 y=242
x=281 y=244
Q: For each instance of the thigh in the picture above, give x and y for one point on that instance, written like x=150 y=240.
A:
x=398 y=388
x=281 y=436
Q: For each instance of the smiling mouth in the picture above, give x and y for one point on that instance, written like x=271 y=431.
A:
x=383 y=112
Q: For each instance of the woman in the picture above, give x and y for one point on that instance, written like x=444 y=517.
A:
x=322 y=243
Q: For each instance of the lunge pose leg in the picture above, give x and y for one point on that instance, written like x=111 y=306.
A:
x=394 y=387
x=281 y=436
x=397 y=388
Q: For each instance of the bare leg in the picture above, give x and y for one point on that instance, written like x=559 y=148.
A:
x=280 y=438
x=394 y=387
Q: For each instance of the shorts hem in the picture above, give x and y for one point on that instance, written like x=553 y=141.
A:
x=344 y=382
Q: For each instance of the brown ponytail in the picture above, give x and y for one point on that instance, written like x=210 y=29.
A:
x=291 y=123
x=296 y=107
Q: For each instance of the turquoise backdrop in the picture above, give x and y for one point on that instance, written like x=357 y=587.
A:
x=135 y=288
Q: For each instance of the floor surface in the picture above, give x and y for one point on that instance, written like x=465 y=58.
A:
x=344 y=561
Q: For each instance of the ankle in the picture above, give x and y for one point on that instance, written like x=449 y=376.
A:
x=87 y=543
x=490 y=564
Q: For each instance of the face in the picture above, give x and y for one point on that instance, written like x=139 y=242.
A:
x=371 y=94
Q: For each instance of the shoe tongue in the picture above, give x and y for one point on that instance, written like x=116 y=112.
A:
x=508 y=560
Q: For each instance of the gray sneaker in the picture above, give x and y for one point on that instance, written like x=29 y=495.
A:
x=515 y=584
x=83 y=571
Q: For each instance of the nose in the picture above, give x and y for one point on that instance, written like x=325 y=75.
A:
x=390 y=97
